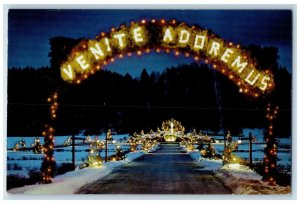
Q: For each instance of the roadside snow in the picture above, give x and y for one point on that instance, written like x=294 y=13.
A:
x=243 y=180
x=133 y=155
x=210 y=164
x=239 y=178
x=195 y=155
x=70 y=182
x=153 y=149
x=205 y=164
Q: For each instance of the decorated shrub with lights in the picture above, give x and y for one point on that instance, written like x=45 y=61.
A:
x=94 y=159
x=119 y=153
x=228 y=156
x=37 y=147
x=20 y=145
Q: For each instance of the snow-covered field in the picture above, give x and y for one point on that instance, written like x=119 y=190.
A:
x=21 y=162
x=237 y=177
x=70 y=182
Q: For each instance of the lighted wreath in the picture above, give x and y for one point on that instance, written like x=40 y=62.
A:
x=176 y=125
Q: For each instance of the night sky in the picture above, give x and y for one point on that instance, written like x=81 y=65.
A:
x=29 y=32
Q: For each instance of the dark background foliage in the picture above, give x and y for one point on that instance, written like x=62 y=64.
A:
x=193 y=93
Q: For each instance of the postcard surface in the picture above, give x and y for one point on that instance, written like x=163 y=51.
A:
x=164 y=102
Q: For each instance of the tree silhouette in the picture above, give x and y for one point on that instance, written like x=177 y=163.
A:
x=193 y=93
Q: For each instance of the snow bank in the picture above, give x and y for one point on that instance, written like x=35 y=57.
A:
x=195 y=155
x=210 y=164
x=133 y=155
x=153 y=149
x=239 y=178
x=70 y=182
x=243 y=180
x=205 y=164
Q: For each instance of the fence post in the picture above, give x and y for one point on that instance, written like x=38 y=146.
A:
x=224 y=141
x=106 y=148
x=73 y=151
x=250 y=150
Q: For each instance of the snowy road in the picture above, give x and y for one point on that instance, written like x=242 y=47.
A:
x=166 y=171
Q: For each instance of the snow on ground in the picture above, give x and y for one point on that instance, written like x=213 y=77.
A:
x=70 y=182
x=210 y=164
x=21 y=162
x=195 y=155
x=133 y=155
x=243 y=180
x=154 y=148
x=205 y=164
x=239 y=178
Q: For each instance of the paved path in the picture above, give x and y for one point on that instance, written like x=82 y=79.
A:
x=166 y=171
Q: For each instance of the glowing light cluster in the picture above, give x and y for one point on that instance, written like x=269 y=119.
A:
x=228 y=156
x=20 y=145
x=68 y=141
x=49 y=164
x=37 y=147
x=54 y=105
x=119 y=153
x=174 y=124
x=270 y=158
x=94 y=159
x=165 y=36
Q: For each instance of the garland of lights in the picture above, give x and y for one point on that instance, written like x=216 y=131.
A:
x=174 y=37
x=270 y=158
x=157 y=37
x=49 y=164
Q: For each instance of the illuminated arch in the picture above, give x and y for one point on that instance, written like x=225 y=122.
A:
x=233 y=61
x=90 y=56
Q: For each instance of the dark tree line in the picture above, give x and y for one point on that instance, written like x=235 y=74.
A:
x=193 y=93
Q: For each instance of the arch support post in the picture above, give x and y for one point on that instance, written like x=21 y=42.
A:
x=49 y=163
x=270 y=158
